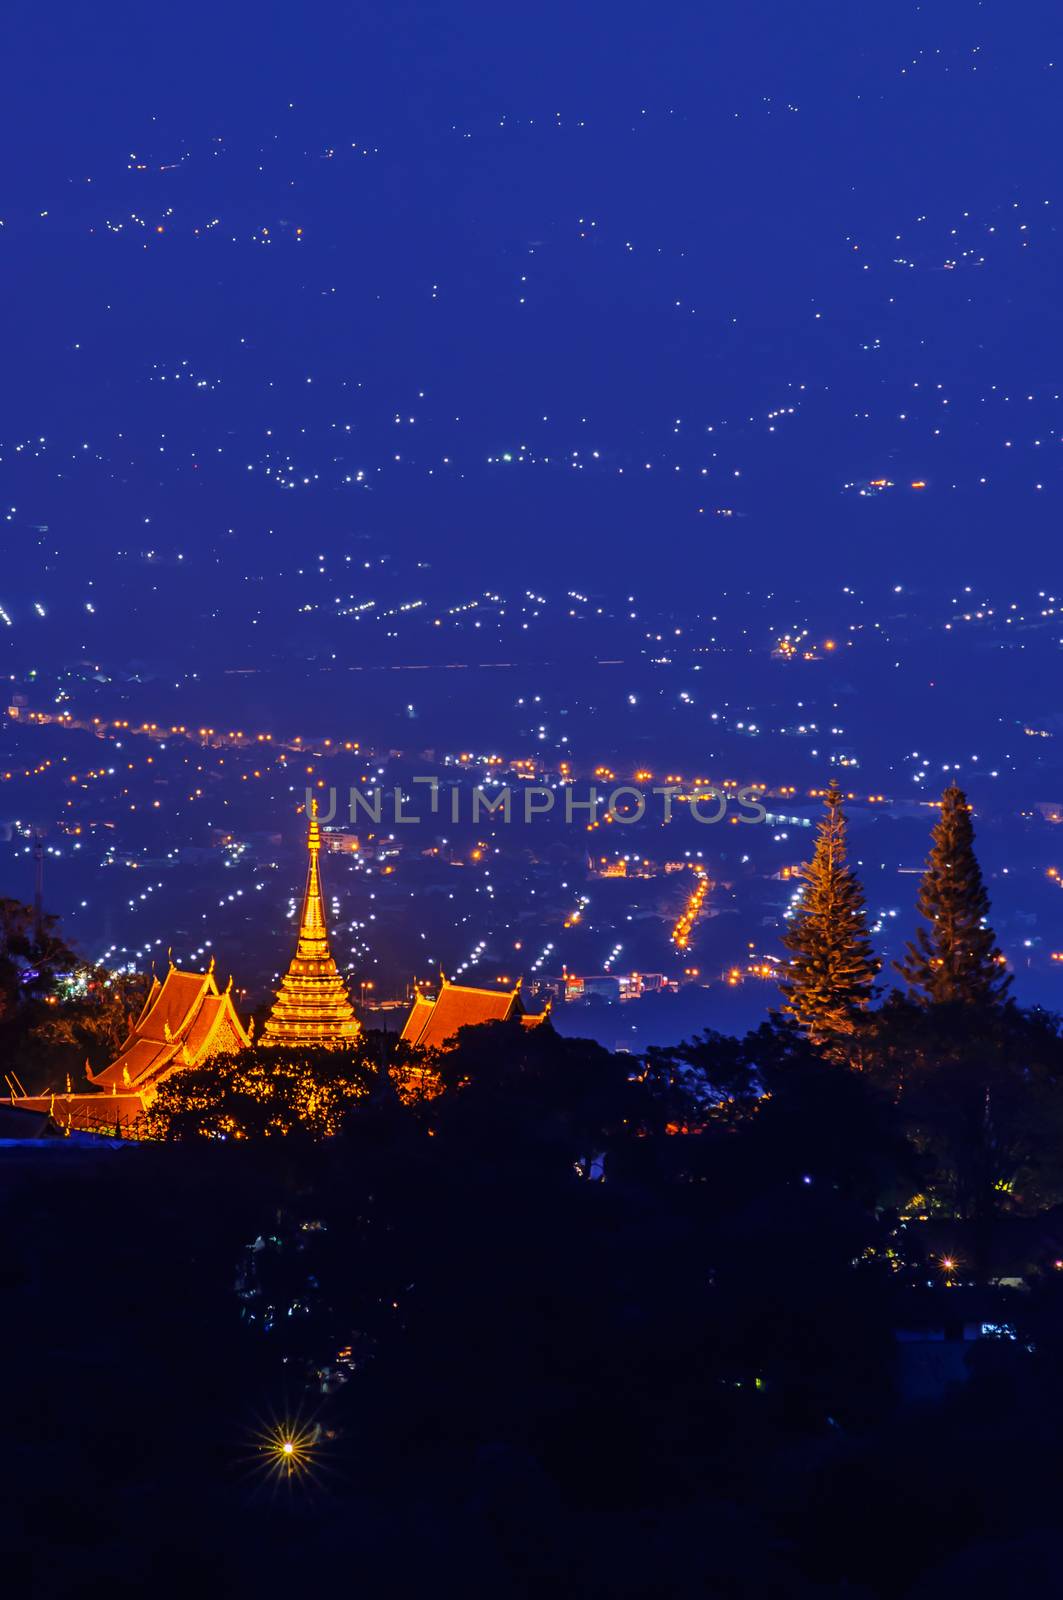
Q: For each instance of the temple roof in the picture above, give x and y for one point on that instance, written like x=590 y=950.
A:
x=88 y=1113
x=422 y=1008
x=432 y=1023
x=184 y=1020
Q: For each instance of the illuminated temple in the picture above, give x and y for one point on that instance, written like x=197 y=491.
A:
x=185 y=1020
x=312 y=1004
x=433 y=1022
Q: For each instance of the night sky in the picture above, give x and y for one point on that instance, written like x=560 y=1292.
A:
x=584 y=293
x=346 y=343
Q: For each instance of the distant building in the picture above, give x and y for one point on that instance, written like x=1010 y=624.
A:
x=650 y=982
x=601 y=984
x=341 y=841
x=603 y=867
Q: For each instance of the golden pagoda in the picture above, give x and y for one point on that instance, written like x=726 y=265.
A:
x=312 y=1004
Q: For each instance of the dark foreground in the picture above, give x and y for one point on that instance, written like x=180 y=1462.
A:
x=673 y=1382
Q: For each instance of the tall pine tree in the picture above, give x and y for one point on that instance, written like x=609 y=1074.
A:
x=832 y=964
x=955 y=957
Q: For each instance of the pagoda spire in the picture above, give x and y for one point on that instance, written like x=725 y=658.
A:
x=313 y=930
x=312 y=1004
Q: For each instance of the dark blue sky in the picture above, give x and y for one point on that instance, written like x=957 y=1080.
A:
x=701 y=276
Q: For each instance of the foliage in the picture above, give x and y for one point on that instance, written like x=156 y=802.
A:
x=832 y=965
x=705 y=1080
x=262 y=1093
x=514 y=1094
x=980 y=1090
x=33 y=960
x=955 y=957
x=560 y=1310
x=30 y=955
x=88 y=1019
x=794 y=1116
x=303 y=1094
x=543 y=1373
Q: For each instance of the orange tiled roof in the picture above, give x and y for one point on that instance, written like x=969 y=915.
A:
x=175 y=1004
x=208 y=1025
x=420 y=1011
x=432 y=1023
x=182 y=1019
x=142 y=1058
x=185 y=1020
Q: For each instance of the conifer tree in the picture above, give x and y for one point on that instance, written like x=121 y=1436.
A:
x=955 y=957
x=832 y=963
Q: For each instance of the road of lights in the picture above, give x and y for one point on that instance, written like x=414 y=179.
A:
x=684 y=923
x=299 y=746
